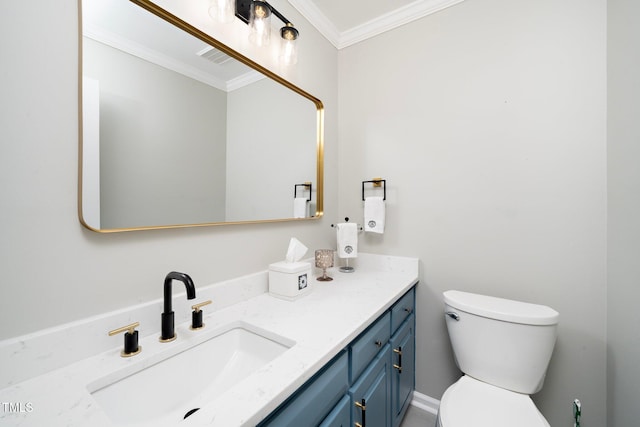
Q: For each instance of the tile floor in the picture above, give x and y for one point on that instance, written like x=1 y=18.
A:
x=416 y=417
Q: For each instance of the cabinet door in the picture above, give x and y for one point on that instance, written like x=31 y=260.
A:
x=370 y=395
x=403 y=369
x=340 y=416
x=315 y=400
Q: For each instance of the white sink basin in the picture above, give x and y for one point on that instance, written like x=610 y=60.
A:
x=181 y=382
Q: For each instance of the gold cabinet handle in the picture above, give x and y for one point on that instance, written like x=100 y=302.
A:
x=398 y=351
x=131 y=347
x=363 y=407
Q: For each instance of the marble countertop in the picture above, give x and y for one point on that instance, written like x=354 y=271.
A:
x=319 y=325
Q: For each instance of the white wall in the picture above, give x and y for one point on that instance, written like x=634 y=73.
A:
x=623 y=374
x=54 y=270
x=488 y=121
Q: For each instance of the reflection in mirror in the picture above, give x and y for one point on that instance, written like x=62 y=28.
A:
x=179 y=132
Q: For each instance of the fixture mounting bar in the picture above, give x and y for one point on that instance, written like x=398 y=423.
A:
x=243 y=11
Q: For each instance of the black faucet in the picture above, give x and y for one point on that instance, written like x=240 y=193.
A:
x=168 y=318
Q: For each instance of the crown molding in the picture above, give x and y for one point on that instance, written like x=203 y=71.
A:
x=244 y=80
x=121 y=43
x=389 y=21
x=310 y=11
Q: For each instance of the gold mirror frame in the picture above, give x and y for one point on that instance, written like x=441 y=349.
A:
x=188 y=28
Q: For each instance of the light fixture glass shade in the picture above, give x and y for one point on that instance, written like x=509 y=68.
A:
x=289 y=44
x=222 y=11
x=260 y=23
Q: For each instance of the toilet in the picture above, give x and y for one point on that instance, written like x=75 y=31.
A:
x=503 y=348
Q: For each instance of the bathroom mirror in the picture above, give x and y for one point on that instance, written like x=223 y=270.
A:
x=179 y=130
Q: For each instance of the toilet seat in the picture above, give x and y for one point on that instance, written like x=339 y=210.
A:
x=470 y=402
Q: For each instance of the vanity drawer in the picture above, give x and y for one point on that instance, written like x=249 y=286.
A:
x=365 y=348
x=402 y=309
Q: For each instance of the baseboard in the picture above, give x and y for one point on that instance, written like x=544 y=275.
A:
x=424 y=402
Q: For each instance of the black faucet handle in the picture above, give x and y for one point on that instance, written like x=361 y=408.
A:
x=131 y=347
x=196 y=315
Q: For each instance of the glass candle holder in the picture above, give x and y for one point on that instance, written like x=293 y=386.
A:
x=324 y=260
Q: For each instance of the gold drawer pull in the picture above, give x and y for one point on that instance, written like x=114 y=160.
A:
x=363 y=407
x=398 y=351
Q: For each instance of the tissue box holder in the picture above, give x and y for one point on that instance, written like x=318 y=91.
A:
x=289 y=280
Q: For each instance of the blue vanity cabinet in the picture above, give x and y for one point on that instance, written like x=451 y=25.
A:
x=368 y=384
x=371 y=393
x=403 y=355
x=340 y=416
x=318 y=397
x=403 y=363
x=402 y=309
x=364 y=348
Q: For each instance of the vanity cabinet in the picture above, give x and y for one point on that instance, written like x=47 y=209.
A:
x=314 y=402
x=340 y=416
x=371 y=393
x=364 y=348
x=403 y=368
x=369 y=384
x=403 y=356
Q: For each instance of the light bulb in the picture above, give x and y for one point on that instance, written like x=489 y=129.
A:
x=222 y=11
x=260 y=23
x=289 y=48
x=260 y=11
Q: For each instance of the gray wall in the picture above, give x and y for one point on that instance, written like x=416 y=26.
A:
x=623 y=374
x=488 y=121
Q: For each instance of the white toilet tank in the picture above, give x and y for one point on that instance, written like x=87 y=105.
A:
x=501 y=342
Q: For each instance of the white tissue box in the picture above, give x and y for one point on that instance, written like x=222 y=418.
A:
x=289 y=280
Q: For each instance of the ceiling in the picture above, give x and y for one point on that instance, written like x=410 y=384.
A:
x=125 y=26
x=131 y=29
x=346 y=22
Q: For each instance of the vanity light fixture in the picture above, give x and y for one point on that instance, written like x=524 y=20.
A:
x=257 y=14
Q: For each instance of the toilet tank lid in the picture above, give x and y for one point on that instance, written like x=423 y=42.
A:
x=502 y=309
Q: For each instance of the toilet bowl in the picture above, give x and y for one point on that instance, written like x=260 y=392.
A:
x=503 y=348
x=473 y=403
